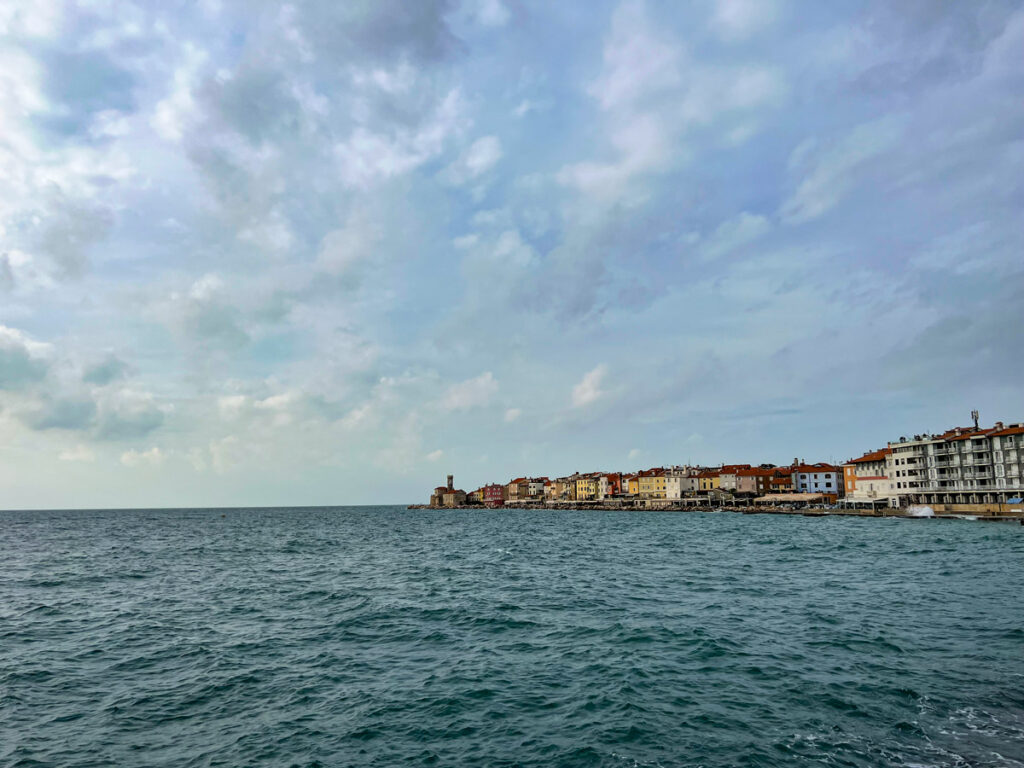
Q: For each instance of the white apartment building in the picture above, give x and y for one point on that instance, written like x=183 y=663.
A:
x=680 y=482
x=966 y=465
x=817 y=478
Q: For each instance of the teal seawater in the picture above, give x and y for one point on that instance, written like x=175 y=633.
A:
x=379 y=636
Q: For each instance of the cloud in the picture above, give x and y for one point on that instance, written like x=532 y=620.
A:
x=492 y=13
x=735 y=233
x=367 y=157
x=482 y=155
x=23 y=361
x=739 y=19
x=111 y=368
x=654 y=95
x=472 y=393
x=435 y=455
x=62 y=413
x=79 y=453
x=345 y=251
x=830 y=172
x=512 y=415
x=153 y=457
x=589 y=388
x=128 y=415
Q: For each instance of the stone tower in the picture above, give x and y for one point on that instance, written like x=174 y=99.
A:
x=451 y=482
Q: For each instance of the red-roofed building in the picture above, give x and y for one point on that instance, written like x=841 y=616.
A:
x=755 y=481
x=963 y=465
x=727 y=476
x=866 y=478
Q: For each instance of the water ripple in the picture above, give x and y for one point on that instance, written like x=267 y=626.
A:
x=383 y=637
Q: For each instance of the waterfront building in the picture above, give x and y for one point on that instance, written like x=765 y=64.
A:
x=609 y=485
x=651 y=483
x=519 y=489
x=454 y=497
x=586 y=487
x=634 y=485
x=437 y=498
x=866 y=479
x=754 y=481
x=680 y=482
x=535 y=487
x=565 y=489
x=494 y=494
x=964 y=465
x=817 y=478
x=727 y=476
x=708 y=481
x=781 y=480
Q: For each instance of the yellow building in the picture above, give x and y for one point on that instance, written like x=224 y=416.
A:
x=651 y=484
x=633 y=485
x=709 y=481
x=586 y=488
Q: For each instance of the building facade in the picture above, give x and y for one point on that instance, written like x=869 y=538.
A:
x=755 y=481
x=609 y=485
x=817 y=478
x=708 y=481
x=494 y=494
x=964 y=465
x=866 y=479
x=728 y=476
x=680 y=482
x=586 y=488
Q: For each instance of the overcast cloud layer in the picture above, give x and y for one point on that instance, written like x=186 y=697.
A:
x=328 y=252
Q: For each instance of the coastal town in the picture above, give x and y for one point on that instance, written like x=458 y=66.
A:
x=969 y=470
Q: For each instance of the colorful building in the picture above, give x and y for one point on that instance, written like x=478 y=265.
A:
x=866 y=478
x=651 y=483
x=727 y=476
x=494 y=494
x=586 y=487
x=708 y=481
x=755 y=481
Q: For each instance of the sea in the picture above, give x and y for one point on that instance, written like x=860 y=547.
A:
x=381 y=636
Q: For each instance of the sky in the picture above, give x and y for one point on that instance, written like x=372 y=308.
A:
x=255 y=253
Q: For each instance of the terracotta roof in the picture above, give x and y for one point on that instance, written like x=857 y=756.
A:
x=755 y=472
x=872 y=456
x=1012 y=430
x=819 y=467
x=730 y=469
